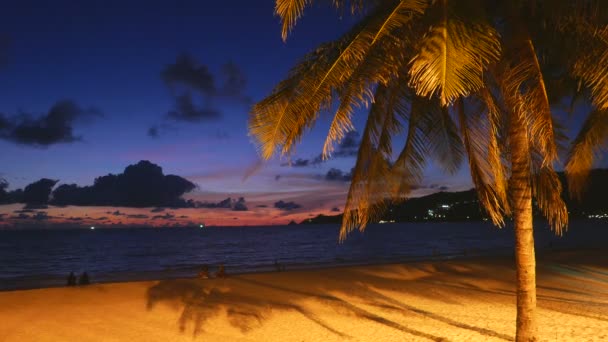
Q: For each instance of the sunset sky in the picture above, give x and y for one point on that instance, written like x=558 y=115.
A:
x=170 y=83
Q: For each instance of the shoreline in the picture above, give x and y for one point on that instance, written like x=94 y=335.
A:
x=31 y=283
x=455 y=300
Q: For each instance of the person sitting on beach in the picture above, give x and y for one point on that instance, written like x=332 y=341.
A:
x=84 y=279
x=71 y=279
x=204 y=273
x=221 y=272
x=278 y=266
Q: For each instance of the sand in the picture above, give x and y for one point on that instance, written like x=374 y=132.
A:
x=463 y=300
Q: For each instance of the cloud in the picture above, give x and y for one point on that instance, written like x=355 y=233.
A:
x=186 y=71
x=138 y=216
x=41 y=216
x=287 y=206
x=167 y=216
x=335 y=209
x=140 y=185
x=156 y=131
x=186 y=110
x=240 y=205
x=228 y=203
x=38 y=192
x=157 y=210
x=56 y=126
x=195 y=90
x=338 y=175
x=348 y=147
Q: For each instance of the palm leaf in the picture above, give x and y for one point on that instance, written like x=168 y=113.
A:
x=592 y=66
x=479 y=130
x=280 y=120
x=453 y=55
x=382 y=60
x=370 y=185
x=590 y=140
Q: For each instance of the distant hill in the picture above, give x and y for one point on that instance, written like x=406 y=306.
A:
x=463 y=205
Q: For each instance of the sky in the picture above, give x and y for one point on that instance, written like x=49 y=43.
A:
x=117 y=82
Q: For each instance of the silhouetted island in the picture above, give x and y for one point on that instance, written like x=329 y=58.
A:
x=464 y=205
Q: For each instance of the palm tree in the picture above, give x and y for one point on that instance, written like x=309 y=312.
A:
x=460 y=78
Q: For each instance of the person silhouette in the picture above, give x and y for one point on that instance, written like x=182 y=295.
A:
x=221 y=272
x=71 y=279
x=204 y=273
x=84 y=279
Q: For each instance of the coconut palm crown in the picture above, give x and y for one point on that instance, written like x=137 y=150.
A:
x=474 y=79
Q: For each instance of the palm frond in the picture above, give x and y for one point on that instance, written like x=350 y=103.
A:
x=479 y=131
x=280 y=120
x=290 y=11
x=381 y=62
x=370 y=186
x=445 y=143
x=523 y=89
x=591 y=139
x=407 y=170
x=453 y=55
x=592 y=66
x=547 y=190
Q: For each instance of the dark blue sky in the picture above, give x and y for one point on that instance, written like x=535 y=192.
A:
x=109 y=55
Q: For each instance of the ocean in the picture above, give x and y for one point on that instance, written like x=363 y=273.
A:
x=44 y=258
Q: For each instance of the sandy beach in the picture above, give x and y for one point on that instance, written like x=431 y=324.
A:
x=461 y=300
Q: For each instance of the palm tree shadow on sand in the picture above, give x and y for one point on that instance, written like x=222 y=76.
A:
x=249 y=300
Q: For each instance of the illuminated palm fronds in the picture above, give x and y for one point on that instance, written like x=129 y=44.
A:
x=448 y=76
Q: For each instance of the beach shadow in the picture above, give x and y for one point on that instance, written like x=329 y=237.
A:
x=249 y=300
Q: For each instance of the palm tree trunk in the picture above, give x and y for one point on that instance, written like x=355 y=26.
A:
x=521 y=192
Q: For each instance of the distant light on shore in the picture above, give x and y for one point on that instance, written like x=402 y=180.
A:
x=92 y=227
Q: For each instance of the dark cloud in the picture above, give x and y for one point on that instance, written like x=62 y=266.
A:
x=167 y=216
x=103 y=218
x=75 y=218
x=187 y=72
x=240 y=205
x=56 y=126
x=38 y=192
x=157 y=210
x=287 y=206
x=262 y=206
x=277 y=177
x=195 y=89
x=140 y=185
x=41 y=216
x=348 y=147
x=156 y=131
x=335 y=210
x=138 y=216
x=444 y=188
x=3 y=192
x=235 y=81
x=228 y=203
x=153 y=132
x=338 y=175
x=21 y=217
x=186 y=110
